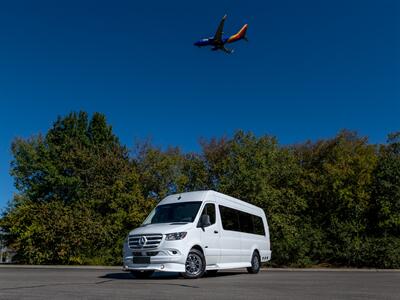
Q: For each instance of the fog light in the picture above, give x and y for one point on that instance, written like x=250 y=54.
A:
x=162 y=267
x=174 y=252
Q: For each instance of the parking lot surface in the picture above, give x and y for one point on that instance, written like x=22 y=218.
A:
x=66 y=283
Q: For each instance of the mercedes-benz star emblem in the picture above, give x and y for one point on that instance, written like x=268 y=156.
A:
x=142 y=241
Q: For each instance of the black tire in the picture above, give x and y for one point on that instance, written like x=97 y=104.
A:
x=255 y=263
x=195 y=265
x=142 y=274
x=212 y=272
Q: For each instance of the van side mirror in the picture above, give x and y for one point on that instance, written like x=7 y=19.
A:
x=205 y=221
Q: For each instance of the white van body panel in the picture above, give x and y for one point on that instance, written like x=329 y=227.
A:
x=223 y=249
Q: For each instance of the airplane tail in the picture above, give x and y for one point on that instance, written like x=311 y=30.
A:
x=240 y=35
x=242 y=31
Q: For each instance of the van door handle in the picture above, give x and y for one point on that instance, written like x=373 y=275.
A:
x=215 y=231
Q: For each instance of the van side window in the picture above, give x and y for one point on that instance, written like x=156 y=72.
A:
x=209 y=209
x=237 y=220
x=258 y=225
x=246 y=222
x=230 y=218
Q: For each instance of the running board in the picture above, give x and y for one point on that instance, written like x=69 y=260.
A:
x=228 y=266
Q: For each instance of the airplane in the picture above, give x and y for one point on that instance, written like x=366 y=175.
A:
x=218 y=41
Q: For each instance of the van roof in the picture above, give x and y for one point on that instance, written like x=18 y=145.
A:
x=202 y=195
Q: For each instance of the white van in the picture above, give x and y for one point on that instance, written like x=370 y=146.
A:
x=197 y=232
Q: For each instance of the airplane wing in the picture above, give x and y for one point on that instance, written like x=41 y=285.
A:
x=218 y=33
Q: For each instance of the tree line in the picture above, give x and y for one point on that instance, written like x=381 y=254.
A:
x=331 y=202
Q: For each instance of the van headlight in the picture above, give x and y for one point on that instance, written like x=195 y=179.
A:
x=175 y=236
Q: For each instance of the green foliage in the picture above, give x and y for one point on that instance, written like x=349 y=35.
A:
x=336 y=180
x=53 y=232
x=386 y=190
x=335 y=201
x=167 y=172
x=79 y=193
x=259 y=171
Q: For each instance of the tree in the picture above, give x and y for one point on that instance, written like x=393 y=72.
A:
x=333 y=201
x=384 y=212
x=167 y=172
x=386 y=193
x=337 y=176
x=77 y=185
x=257 y=170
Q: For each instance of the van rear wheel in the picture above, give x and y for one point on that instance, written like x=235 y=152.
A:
x=195 y=265
x=255 y=263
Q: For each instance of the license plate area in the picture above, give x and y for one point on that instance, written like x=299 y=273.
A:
x=141 y=260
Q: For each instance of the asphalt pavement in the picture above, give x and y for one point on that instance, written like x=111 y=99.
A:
x=111 y=283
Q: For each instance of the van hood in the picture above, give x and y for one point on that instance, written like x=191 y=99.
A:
x=162 y=228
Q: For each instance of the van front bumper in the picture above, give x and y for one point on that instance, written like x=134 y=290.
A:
x=174 y=263
x=166 y=267
x=171 y=257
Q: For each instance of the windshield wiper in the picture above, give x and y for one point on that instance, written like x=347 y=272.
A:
x=178 y=223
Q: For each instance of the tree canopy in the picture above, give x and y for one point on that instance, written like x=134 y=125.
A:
x=333 y=201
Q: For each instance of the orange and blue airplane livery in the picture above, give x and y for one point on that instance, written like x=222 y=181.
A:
x=218 y=41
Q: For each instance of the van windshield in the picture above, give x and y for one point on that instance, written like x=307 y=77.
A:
x=184 y=212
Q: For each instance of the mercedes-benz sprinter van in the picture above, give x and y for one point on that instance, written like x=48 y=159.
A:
x=197 y=232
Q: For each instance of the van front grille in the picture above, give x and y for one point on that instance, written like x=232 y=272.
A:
x=144 y=241
x=150 y=253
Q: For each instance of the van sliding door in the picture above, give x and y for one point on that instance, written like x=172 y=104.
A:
x=230 y=236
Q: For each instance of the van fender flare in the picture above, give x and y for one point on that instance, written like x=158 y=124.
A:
x=255 y=247
x=197 y=245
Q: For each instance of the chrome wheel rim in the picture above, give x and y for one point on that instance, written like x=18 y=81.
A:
x=256 y=263
x=193 y=264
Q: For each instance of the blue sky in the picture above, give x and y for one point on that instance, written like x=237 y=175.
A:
x=310 y=69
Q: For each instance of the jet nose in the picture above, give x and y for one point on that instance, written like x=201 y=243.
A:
x=198 y=44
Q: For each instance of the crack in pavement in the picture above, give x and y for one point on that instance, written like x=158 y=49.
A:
x=89 y=283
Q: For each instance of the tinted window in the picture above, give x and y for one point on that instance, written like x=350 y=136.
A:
x=236 y=220
x=209 y=209
x=246 y=222
x=230 y=218
x=258 y=225
x=174 y=212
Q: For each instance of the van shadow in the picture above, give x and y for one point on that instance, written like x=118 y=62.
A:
x=165 y=275
x=129 y=276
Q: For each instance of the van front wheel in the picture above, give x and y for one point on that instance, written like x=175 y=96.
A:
x=195 y=265
x=255 y=264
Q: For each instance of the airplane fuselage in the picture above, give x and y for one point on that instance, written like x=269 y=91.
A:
x=211 y=42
